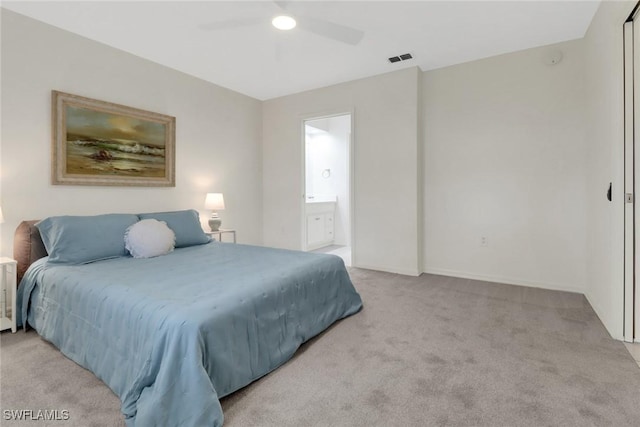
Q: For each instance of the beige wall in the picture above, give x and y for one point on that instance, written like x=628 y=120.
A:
x=605 y=146
x=218 y=139
x=386 y=167
x=505 y=158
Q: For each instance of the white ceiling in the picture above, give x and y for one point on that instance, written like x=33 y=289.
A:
x=264 y=63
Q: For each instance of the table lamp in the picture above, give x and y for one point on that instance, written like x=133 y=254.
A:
x=215 y=202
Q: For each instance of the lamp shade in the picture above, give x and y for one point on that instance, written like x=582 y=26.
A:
x=1 y=216
x=214 y=201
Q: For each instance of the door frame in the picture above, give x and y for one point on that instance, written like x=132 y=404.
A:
x=352 y=207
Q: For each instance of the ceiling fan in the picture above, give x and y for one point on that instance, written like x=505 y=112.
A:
x=288 y=20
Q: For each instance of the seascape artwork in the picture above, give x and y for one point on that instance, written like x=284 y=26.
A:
x=99 y=143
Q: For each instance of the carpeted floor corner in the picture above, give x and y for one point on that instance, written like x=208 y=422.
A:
x=425 y=351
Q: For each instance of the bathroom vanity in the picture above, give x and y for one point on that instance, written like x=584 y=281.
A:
x=320 y=212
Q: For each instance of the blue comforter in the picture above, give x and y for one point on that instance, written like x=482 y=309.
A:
x=171 y=335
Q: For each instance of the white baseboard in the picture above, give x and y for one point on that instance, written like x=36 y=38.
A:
x=505 y=280
x=414 y=273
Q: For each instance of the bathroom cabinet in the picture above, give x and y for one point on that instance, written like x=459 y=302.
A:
x=320 y=228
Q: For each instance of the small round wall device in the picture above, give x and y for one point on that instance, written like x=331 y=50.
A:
x=553 y=57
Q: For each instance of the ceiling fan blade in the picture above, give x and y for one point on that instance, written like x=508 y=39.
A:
x=230 y=24
x=331 y=30
x=282 y=4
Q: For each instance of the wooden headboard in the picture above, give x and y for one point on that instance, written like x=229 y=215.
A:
x=27 y=246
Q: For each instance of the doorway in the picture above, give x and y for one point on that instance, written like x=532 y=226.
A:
x=327 y=182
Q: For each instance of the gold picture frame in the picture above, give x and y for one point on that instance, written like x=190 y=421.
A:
x=101 y=143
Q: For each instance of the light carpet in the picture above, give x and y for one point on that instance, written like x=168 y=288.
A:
x=428 y=350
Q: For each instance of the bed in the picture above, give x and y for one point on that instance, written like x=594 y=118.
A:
x=172 y=334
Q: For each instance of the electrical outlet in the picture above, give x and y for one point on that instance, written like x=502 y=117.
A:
x=484 y=241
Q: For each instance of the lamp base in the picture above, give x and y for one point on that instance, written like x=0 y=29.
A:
x=214 y=222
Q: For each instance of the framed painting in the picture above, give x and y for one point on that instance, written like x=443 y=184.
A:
x=100 y=143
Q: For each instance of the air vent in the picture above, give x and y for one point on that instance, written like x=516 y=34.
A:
x=399 y=58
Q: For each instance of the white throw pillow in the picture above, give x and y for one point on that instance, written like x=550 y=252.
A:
x=149 y=238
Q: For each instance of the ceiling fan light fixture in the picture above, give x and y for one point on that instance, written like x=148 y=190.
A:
x=284 y=22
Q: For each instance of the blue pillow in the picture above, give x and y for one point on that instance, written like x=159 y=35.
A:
x=82 y=239
x=185 y=224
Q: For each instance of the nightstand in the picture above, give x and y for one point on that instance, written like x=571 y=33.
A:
x=8 y=275
x=220 y=233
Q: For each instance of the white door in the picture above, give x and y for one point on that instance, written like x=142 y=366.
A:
x=633 y=292
x=631 y=329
